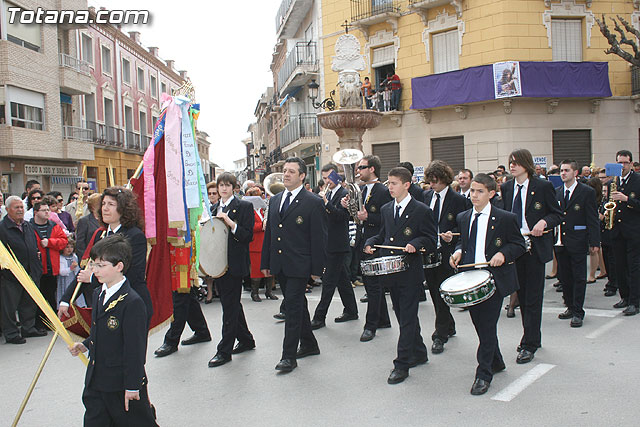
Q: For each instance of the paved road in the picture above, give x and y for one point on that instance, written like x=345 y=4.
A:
x=581 y=377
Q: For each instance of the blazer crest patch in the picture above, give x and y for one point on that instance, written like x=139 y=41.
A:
x=299 y=220
x=408 y=231
x=498 y=242
x=450 y=216
x=632 y=195
x=112 y=323
x=373 y=208
x=576 y=207
x=537 y=206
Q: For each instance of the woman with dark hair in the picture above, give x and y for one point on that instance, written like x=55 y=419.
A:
x=119 y=213
x=72 y=197
x=65 y=217
x=596 y=260
x=34 y=196
x=87 y=225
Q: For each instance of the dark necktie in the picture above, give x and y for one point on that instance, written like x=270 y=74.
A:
x=101 y=299
x=395 y=218
x=285 y=205
x=517 y=205
x=566 y=198
x=364 y=194
x=110 y=233
x=225 y=209
x=470 y=256
x=436 y=209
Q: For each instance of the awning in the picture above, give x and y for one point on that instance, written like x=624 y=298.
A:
x=293 y=92
x=538 y=80
x=65 y=179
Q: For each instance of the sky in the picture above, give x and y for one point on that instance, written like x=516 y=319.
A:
x=226 y=49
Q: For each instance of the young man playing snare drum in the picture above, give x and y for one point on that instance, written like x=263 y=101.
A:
x=488 y=235
x=407 y=226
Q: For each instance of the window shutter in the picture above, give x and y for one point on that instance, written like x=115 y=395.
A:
x=389 y=157
x=383 y=56
x=450 y=150
x=572 y=144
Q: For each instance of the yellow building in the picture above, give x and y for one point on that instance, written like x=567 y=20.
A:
x=434 y=44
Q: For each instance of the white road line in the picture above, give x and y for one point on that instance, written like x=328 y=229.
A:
x=589 y=311
x=604 y=328
x=516 y=387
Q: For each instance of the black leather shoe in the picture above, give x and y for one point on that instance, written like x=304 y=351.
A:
x=286 y=365
x=34 y=333
x=385 y=326
x=279 y=316
x=567 y=314
x=452 y=333
x=218 y=360
x=367 y=335
x=479 y=387
x=559 y=288
x=621 y=304
x=525 y=356
x=242 y=347
x=576 y=322
x=195 y=339
x=317 y=324
x=498 y=368
x=364 y=298
x=519 y=349
x=16 y=340
x=437 y=347
x=397 y=376
x=165 y=350
x=631 y=310
x=345 y=317
x=304 y=352
x=420 y=361
x=609 y=292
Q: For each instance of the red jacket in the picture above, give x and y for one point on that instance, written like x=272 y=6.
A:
x=57 y=242
x=395 y=82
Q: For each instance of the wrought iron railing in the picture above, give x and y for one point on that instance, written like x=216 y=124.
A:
x=133 y=141
x=282 y=13
x=363 y=9
x=304 y=53
x=301 y=126
x=106 y=135
x=77 y=133
x=76 y=64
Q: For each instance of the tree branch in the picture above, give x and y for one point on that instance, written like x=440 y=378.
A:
x=615 y=44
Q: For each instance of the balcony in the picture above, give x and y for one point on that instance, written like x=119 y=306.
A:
x=75 y=75
x=77 y=134
x=421 y=7
x=301 y=131
x=132 y=141
x=107 y=135
x=290 y=15
x=365 y=13
x=300 y=62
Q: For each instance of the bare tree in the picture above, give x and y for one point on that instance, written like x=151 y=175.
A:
x=616 y=45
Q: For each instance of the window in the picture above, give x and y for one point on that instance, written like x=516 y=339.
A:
x=154 y=120
x=153 y=83
x=445 y=51
x=87 y=48
x=572 y=144
x=126 y=71
x=24 y=35
x=450 y=150
x=566 y=39
x=389 y=157
x=163 y=87
x=106 y=60
x=143 y=125
x=141 y=79
x=26 y=108
x=383 y=56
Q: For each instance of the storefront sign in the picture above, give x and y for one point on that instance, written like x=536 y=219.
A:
x=50 y=170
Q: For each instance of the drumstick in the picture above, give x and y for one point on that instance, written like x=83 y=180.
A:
x=399 y=248
x=473 y=265
x=453 y=234
x=544 y=232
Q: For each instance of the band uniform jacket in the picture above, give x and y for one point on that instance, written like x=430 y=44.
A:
x=416 y=192
x=117 y=342
x=627 y=214
x=338 y=223
x=503 y=235
x=238 y=258
x=295 y=243
x=454 y=203
x=580 y=226
x=540 y=204
x=373 y=203
x=416 y=226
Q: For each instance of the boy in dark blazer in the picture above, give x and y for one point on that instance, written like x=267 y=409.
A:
x=238 y=216
x=533 y=200
x=293 y=250
x=579 y=234
x=115 y=390
x=408 y=224
x=500 y=244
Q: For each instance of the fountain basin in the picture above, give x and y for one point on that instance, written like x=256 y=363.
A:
x=350 y=125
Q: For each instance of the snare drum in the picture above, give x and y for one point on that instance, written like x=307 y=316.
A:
x=468 y=288
x=383 y=265
x=431 y=260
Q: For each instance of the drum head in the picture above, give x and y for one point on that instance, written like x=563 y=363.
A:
x=213 y=247
x=465 y=280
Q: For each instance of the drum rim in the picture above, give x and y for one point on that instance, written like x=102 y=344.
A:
x=476 y=302
x=457 y=292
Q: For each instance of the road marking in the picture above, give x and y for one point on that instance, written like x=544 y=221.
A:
x=516 y=387
x=604 y=328
x=589 y=311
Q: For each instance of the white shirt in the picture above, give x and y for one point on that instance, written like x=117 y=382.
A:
x=369 y=188
x=442 y=194
x=622 y=179
x=467 y=193
x=481 y=237
x=222 y=205
x=113 y=230
x=109 y=292
x=571 y=189
x=294 y=194
x=331 y=193
x=523 y=194
x=403 y=204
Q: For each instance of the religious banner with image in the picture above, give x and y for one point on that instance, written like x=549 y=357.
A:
x=506 y=79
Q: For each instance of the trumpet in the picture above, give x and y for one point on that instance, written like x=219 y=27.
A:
x=610 y=207
x=348 y=159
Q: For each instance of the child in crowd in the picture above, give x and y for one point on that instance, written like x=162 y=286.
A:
x=69 y=269
x=386 y=96
x=373 y=100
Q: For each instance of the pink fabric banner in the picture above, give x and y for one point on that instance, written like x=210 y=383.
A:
x=173 y=167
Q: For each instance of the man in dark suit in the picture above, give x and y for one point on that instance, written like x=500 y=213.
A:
x=238 y=216
x=374 y=196
x=626 y=234
x=415 y=190
x=579 y=233
x=407 y=224
x=446 y=204
x=533 y=200
x=293 y=250
x=492 y=235
x=335 y=274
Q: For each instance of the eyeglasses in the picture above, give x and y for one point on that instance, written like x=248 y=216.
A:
x=60 y=200
x=213 y=194
x=74 y=198
x=361 y=167
x=36 y=198
x=45 y=210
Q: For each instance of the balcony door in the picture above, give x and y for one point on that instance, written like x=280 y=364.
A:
x=128 y=125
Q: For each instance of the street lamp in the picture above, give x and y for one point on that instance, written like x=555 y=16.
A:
x=327 y=103
x=263 y=150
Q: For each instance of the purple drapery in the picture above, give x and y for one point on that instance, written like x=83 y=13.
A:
x=539 y=80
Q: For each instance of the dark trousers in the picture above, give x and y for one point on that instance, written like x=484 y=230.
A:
x=405 y=302
x=106 y=409
x=377 y=312
x=572 y=273
x=297 y=327
x=234 y=324
x=354 y=264
x=530 y=294
x=445 y=325
x=336 y=276
x=186 y=310
x=15 y=298
x=610 y=265
x=48 y=287
x=485 y=319
x=627 y=254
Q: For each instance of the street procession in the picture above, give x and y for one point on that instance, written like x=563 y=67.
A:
x=430 y=215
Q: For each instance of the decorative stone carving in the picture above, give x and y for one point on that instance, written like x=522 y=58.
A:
x=381 y=38
x=463 y=111
x=552 y=104
x=350 y=125
x=507 y=106
x=595 y=104
x=568 y=8
x=636 y=105
x=396 y=117
x=348 y=55
x=350 y=93
x=426 y=115
x=443 y=22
